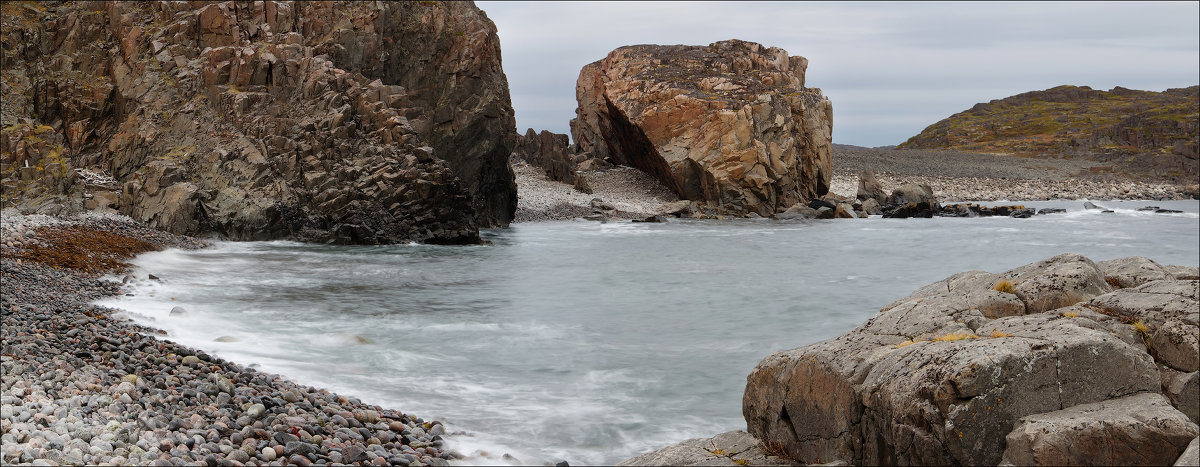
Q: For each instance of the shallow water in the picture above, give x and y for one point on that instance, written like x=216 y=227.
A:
x=592 y=342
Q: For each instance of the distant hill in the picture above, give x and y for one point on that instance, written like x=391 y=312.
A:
x=1148 y=132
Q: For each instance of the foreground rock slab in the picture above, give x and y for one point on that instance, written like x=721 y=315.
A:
x=730 y=448
x=944 y=375
x=730 y=124
x=1142 y=429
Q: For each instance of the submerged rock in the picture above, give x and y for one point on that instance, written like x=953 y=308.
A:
x=730 y=124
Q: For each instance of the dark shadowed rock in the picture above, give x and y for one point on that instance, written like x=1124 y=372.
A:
x=332 y=122
x=550 y=151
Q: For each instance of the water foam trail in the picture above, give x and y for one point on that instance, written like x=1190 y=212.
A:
x=589 y=342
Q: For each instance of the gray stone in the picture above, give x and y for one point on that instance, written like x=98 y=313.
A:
x=298 y=448
x=1183 y=273
x=1132 y=271
x=1191 y=455
x=256 y=411
x=1141 y=429
x=730 y=448
x=870 y=189
x=941 y=376
x=1184 y=391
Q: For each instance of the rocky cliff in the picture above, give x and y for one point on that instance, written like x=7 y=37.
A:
x=1157 y=133
x=1061 y=362
x=352 y=122
x=730 y=124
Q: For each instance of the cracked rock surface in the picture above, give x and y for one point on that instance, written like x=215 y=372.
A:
x=945 y=374
x=345 y=122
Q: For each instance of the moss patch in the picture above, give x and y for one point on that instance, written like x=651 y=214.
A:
x=83 y=249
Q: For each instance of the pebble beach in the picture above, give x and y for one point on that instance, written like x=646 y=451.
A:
x=83 y=385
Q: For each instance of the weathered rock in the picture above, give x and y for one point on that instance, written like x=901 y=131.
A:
x=925 y=209
x=1141 y=429
x=1169 y=310
x=870 y=188
x=911 y=193
x=550 y=151
x=871 y=207
x=730 y=448
x=1183 y=389
x=941 y=376
x=315 y=121
x=1132 y=271
x=731 y=124
x=1183 y=273
x=1191 y=455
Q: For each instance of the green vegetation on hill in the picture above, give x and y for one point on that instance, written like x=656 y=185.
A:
x=1126 y=126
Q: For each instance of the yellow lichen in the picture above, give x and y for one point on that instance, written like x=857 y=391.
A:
x=997 y=333
x=1004 y=286
x=956 y=336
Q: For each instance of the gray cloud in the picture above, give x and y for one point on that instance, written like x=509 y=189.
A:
x=891 y=69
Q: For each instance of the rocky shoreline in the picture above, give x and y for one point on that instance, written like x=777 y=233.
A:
x=1064 y=361
x=84 y=385
x=964 y=176
x=950 y=175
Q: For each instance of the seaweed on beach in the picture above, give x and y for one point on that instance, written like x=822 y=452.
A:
x=83 y=249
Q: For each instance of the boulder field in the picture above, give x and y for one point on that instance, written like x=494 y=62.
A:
x=348 y=122
x=1061 y=362
x=730 y=125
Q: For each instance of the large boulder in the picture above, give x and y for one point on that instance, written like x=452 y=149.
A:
x=943 y=376
x=318 y=121
x=870 y=188
x=730 y=124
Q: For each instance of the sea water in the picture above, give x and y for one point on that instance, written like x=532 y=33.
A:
x=591 y=342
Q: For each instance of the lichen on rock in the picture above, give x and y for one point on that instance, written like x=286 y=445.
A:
x=903 y=388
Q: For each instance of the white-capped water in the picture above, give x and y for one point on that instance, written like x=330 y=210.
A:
x=592 y=342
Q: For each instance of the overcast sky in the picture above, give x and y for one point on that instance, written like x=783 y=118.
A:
x=891 y=69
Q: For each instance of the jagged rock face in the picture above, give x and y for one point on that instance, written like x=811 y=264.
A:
x=552 y=152
x=310 y=120
x=730 y=124
x=943 y=376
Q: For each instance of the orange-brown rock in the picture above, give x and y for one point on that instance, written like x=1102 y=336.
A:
x=349 y=122
x=730 y=124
